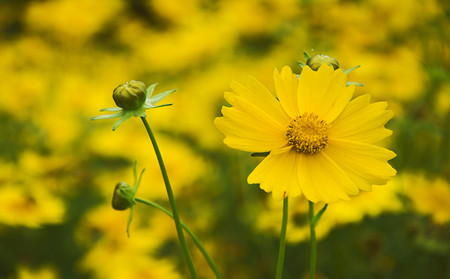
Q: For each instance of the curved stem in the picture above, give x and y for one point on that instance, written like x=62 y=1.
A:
x=171 y=197
x=281 y=251
x=197 y=242
x=312 y=231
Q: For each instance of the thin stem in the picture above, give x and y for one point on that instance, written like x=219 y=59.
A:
x=281 y=250
x=312 y=230
x=171 y=197
x=197 y=242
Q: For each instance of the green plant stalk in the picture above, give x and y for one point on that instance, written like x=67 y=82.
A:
x=313 y=221
x=312 y=232
x=282 y=249
x=171 y=197
x=197 y=242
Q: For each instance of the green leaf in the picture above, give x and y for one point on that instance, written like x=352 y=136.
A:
x=319 y=214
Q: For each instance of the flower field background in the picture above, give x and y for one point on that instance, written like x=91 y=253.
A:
x=60 y=61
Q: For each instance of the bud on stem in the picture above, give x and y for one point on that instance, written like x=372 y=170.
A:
x=316 y=61
x=123 y=196
x=130 y=95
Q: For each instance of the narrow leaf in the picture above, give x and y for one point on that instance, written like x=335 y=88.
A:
x=319 y=214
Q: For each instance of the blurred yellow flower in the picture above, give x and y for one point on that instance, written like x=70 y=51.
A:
x=442 y=102
x=127 y=257
x=145 y=268
x=71 y=20
x=29 y=207
x=429 y=196
x=42 y=273
x=381 y=199
x=321 y=143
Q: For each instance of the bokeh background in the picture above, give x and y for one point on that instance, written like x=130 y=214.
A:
x=60 y=61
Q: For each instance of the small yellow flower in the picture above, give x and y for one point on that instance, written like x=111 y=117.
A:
x=321 y=142
x=429 y=196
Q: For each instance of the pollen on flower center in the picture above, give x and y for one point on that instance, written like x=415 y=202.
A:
x=307 y=133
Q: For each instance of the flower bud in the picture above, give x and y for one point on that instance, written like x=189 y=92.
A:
x=316 y=61
x=122 y=196
x=130 y=95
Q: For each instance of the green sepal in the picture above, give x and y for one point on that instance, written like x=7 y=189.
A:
x=155 y=99
x=306 y=55
x=150 y=90
x=348 y=71
x=260 y=154
x=301 y=64
x=160 y=106
x=130 y=218
x=355 y=83
x=113 y=109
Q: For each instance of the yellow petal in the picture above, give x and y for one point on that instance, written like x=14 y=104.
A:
x=321 y=179
x=260 y=97
x=277 y=174
x=362 y=122
x=245 y=132
x=323 y=92
x=254 y=112
x=286 y=85
x=365 y=161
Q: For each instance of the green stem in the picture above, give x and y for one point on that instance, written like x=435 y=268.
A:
x=197 y=242
x=281 y=250
x=176 y=216
x=312 y=230
x=313 y=221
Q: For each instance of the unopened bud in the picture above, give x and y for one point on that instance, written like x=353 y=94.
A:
x=122 y=196
x=316 y=61
x=130 y=95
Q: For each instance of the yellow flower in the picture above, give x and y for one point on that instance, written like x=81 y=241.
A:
x=25 y=272
x=321 y=142
x=429 y=196
x=29 y=207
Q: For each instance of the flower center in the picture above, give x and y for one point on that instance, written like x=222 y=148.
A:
x=307 y=133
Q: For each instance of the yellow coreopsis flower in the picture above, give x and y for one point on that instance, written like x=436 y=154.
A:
x=321 y=142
